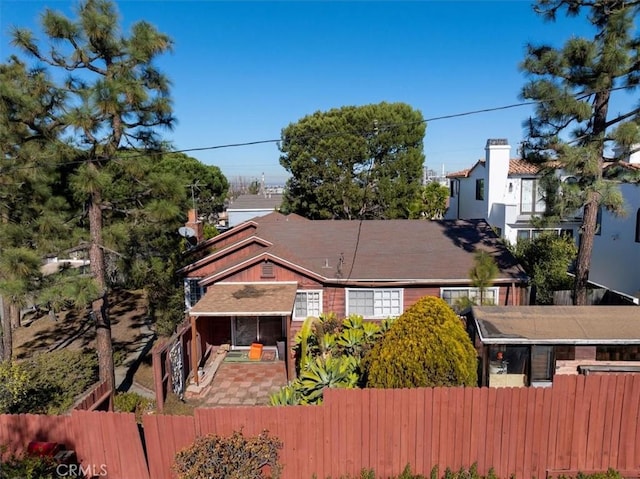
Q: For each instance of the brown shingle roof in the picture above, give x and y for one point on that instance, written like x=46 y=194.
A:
x=387 y=250
x=224 y=299
x=558 y=324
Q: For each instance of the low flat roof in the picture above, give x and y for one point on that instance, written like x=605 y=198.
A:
x=557 y=324
x=247 y=299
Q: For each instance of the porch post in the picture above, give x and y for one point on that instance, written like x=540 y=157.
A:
x=194 y=350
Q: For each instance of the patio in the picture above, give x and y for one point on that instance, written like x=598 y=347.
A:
x=243 y=384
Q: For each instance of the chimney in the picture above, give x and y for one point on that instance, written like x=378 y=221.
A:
x=195 y=224
x=497 y=158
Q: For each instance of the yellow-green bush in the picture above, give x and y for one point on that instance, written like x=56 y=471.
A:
x=426 y=346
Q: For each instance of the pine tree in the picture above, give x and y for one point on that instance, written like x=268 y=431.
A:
x=115 y=98
x=574 y=86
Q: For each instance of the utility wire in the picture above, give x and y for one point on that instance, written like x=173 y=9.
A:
x=377 y=128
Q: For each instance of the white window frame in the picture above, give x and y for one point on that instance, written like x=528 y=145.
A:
x=379 y=312
x=535 y=204
x=310 y=311
x=188 y=296
x=494 y=289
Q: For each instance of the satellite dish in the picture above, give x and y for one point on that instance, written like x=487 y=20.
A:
x=186 y=232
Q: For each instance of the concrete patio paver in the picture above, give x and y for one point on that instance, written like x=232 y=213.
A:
x=244 y=384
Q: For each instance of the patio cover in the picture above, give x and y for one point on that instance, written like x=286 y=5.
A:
x=247 y=299
x=557 y=324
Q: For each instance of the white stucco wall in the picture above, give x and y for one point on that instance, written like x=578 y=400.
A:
x=615 y=262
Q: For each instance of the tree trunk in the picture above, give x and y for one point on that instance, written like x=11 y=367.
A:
x=7 y=335
x=99 y=307
x=15 y=315
x=583 y=261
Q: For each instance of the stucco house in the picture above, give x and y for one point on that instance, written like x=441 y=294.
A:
x=528 y=346
x=258 y=281
x=506 y=192
x=615 y=262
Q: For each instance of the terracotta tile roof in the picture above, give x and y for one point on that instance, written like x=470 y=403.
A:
x=465 y=173
x=558 y=324
x=223 y=299
x=386 y=250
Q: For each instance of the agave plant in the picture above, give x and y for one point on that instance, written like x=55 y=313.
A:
x=287 y=396
x=330 y=372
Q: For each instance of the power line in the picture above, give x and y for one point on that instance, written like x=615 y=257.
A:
x=376 y=128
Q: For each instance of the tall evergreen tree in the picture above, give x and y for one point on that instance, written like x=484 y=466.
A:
x=116 y=99
x=354 y=162
x=574 y=86
x=32 y=216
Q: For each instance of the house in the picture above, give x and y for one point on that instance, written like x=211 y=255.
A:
x=260 y=280
x=528 y=346
x=245 y=207
x=506 y=192
x=616 y=247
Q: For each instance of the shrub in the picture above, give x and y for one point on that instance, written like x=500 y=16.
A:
x=57 y=378
x=234 y=457
x=14 y=386
x=132 y=402
x=29 y=466
x=426 y=346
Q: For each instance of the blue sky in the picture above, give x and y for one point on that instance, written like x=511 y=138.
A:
x=242 y=71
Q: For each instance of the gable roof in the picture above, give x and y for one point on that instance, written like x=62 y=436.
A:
x=516 y=167
x=557 y=324
x=381 y=250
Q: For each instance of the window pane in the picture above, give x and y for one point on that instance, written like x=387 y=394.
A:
x=313 y=304
x=387 y=302
x=300 y=308
x=361 y=302
x=527 y=196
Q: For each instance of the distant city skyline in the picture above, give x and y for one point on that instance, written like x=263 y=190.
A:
x=241 y=71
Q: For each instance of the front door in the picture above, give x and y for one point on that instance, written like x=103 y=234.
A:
x=257 y=329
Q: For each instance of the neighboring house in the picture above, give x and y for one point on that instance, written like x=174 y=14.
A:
x=615 y=262
x=527 y=346
x=506 y=192
x=260 y=280
x=245 y=207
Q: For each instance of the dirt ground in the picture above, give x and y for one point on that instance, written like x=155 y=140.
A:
x=75 y=330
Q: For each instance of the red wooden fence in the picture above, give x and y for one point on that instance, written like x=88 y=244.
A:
x=96 y=399
x=104 y=442
x=580 y=424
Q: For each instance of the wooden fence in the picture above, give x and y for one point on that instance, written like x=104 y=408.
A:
x=106 y=444
x=582 y=423
x=98 y=398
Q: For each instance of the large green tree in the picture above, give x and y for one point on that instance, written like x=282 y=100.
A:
x=354 y=162
x=32 y=214
x=431 y=203
x=115 y=98
x=547 y=259
x=206 y=184
x=573 y=86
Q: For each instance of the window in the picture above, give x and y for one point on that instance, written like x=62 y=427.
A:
x=542 y=363
x=480 y=189
x=454 y=186
x=192 y=292
x=374 y=303
x=453 y=296
x=308 y=303
x=532 y=200
x=638 y=226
